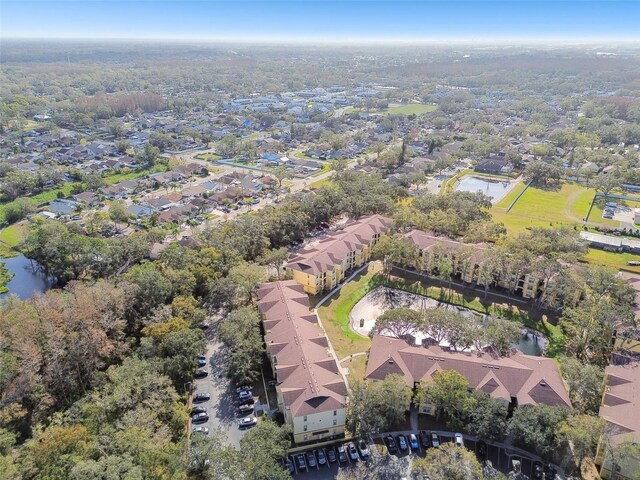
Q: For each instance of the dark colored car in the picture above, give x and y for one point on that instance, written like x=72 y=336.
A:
x=290 y=466
x=201 y=374
x=301 y=462
x=311 y=460
x=201 y=397
x=245 y=409
x=198 y=409
x=538 y=471
x=200 y=418
x=402 y=442
x=331 y=455
x=549 y=472
x=413 y=442
x=391 y=444
x=424 y=438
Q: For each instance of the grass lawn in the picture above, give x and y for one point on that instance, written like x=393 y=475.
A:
x=409 y=109
x=326 y=182
x=510 y=197
x=325 y=168
x=612 y=259
x=567 y=205
x=212 y=157
x=335 y=316
x=14 y=234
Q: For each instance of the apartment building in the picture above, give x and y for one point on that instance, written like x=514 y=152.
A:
x=516 y=380
x=467 y=261
x=620 y=408
x=323 y=266
x=311 y=390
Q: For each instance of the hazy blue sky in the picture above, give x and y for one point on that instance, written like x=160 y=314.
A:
x=325 y=20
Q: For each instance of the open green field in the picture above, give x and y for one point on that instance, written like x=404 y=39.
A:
x=567 y=205
x=410 y=109
x=14 y=234
x=212 y=157
x=612 y=259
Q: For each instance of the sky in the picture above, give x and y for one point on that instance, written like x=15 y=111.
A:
x=330 y=20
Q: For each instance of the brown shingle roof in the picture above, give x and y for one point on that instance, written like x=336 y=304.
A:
x=308 y=374
x=529 y=379
x=621 y=402
x=331 y=250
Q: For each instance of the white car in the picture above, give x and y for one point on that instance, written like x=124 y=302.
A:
x=458 y=440
x=202 y=430
x=248 y=422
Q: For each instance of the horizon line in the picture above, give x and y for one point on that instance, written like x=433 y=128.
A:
x=342 y=40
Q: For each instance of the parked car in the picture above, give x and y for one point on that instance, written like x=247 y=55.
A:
x=202 y=361
x=289 y=464
x=458 y=440
x=245 y=401
x=248 y=422
x=255 y=201
x=353 y=453
x=342 y=454
x=201 y=397
x=413 y=442
x=243 y=388
x=243 y=395
x=201 y=430
x=322 y=457
x=197 y=410
x=391 y=444
x=331 y=455
x=311 y=459
x=201 y=373
x=302 y=464
x=364 y=450
x=200 y=418
x=538 y=471
x=424 y=438
x=402 y=442
x=633 y=263
x=435 y=440
x=245 y=409
x=204 y=326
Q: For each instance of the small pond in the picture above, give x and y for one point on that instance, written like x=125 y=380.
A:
x=381 y=299
x=495 y=189
x=27 y=279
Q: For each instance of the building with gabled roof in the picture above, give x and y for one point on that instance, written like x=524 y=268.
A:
x=517 y=380
x=310 y=387
x=323 y=266
x=620 y=409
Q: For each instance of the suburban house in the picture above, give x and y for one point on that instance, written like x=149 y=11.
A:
x=620 y=408
x=517 y=380
x=324 y=265
x=494 y=165
x=311 y=390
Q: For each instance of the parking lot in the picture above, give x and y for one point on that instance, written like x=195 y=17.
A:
x=400 y=461
x=222 y=405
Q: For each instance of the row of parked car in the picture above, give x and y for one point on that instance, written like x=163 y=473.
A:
x=403 y=442
x=341 y=453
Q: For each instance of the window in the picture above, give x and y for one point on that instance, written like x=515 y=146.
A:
x=305 y=428
x=335 y=422
x=335 y=412
x=304 y=418
x=306 y=437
